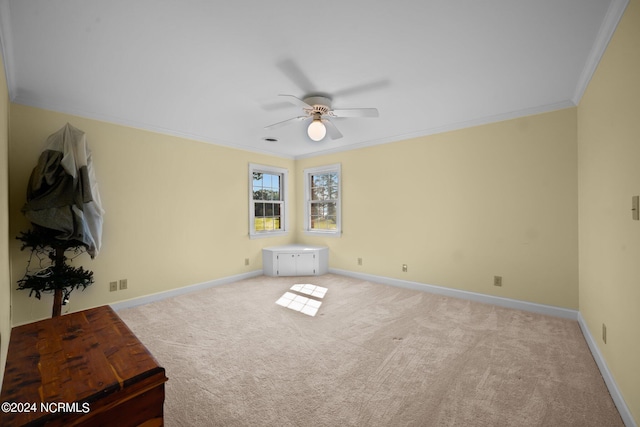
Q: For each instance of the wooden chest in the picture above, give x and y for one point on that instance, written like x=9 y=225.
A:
x=85 y=368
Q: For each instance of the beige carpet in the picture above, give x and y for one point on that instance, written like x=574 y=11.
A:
x=373 y=355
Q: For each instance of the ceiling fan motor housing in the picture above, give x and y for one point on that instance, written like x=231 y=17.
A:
x=320 y=105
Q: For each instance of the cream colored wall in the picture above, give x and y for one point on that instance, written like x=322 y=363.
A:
x=176 y=210
x=461 y=207
x=5 y=279
x=609 y=175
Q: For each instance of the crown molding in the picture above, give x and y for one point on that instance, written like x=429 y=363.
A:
x=6 y=47
x=607 y=29
x=63 y=109
x=447 y=128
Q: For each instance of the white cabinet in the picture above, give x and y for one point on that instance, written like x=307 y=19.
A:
x=295 y=260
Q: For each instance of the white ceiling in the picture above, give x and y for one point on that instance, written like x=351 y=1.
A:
x=212 y=70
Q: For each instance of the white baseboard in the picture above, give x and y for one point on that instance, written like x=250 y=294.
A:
x=457 y=293
x=627 y=418
x=145 y=299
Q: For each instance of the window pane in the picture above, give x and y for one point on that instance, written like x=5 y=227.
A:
x=272 y=223
x=258 y=193
x=323 y=223
x=323 y=216
x=268 y=224
x=315 y=194
x=323 y=197
x=324 y=187
x=266 y=186
x=267 y=216
x=275 y=182
x=267 y=199
x=257 y=179
x=333 y=192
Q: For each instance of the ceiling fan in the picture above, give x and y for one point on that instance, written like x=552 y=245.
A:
x=318 y=112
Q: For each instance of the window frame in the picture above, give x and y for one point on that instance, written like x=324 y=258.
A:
x=334 y=168
x=284 y=200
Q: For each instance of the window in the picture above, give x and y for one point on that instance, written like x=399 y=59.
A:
x=322 y=200
x=267 y=201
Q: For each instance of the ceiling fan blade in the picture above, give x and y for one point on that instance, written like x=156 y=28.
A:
x=297 y=101
x=285 y=122
x=332 y=130
x=356 y=112
x=364 y=87
x=290 y=69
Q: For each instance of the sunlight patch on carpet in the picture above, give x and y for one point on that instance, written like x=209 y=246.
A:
x=305 y=305
x=312 y=290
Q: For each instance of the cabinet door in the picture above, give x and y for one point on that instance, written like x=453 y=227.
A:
x=306 y=264
x=286 y=264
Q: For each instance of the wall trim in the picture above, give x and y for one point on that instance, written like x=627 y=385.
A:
x=6 y=46
x=458 y=293
x=146 y=299
x=627 y=418
x=608 y=27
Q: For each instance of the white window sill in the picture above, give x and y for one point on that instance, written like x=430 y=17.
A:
x=323 y=233
x=268 y=234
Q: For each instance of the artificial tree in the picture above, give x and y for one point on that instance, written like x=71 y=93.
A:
x=64 y=208
x=52 y=274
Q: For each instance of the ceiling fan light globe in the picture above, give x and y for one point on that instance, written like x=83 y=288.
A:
x=316 y=130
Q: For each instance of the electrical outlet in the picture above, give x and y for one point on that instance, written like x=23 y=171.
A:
x=497 y=280
x=246 y=261
x=604 y=333
x=123 y=284
x=113 y=286
x=405 y=268
x=359 y=261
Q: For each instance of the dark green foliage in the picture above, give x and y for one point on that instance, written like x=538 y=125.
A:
x=65 y=277
x=51 y=273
